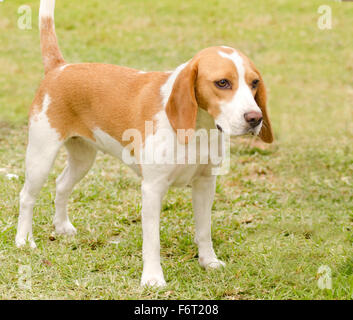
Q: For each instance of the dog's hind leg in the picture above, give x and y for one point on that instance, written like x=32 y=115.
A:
x=81 y=157
x=43 y=146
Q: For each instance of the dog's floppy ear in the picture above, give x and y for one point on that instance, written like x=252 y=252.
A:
x=266 y=133
x=182 y=106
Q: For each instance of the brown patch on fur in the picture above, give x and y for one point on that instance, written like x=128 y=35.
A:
x=113 y=98
x=51 y=53
x=91 y=95
x=266 y=133
x=37 y=103
x=195 y=87
x=181 y=107
x=212 y=67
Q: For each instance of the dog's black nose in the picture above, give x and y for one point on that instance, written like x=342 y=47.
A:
x=253 y=118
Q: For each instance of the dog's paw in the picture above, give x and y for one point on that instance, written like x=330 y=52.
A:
x=65 y=228
x=153 y=280
x=22 y=241
x=213 y=263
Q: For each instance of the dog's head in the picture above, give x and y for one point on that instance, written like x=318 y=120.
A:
x=226 y=84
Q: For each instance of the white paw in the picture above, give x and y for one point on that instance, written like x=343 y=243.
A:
x=21 y=242
x=65 y=228
x=152 y=280
x=213 y=263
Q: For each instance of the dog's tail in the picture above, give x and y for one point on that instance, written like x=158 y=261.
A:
x=51 y=54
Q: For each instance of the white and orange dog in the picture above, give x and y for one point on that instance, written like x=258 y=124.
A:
x=88 y=107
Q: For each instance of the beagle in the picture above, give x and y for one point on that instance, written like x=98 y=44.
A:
x=91 y=106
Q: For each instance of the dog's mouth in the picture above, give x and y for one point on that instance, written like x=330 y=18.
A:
x=245 y=131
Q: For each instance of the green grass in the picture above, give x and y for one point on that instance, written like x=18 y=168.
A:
x=282 y=212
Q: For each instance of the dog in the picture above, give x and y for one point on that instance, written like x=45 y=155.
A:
x=90 y=106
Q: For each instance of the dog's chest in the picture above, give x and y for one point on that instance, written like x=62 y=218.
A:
x=161 y=157
x=176 y=164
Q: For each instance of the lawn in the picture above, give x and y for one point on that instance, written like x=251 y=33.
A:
x=284 y=209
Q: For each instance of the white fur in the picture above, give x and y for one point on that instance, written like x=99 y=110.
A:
x=157 y=179
x=81 y=156
x=62 y=68
x=231 y=118
x=46 y=8
x=166 y=89
x=43 y=145
x=104 y=142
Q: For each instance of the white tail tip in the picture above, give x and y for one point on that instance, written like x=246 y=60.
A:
x=46 y=8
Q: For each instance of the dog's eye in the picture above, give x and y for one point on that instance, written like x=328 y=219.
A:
x=255 y=83
x=223 y=84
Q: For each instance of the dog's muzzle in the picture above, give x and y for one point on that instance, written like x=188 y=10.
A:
x=253 y=118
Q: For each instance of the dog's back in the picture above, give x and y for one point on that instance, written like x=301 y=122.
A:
x=86 y=96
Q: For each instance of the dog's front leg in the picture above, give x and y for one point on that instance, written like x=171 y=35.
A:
x=203 y=190
x=152 y=194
